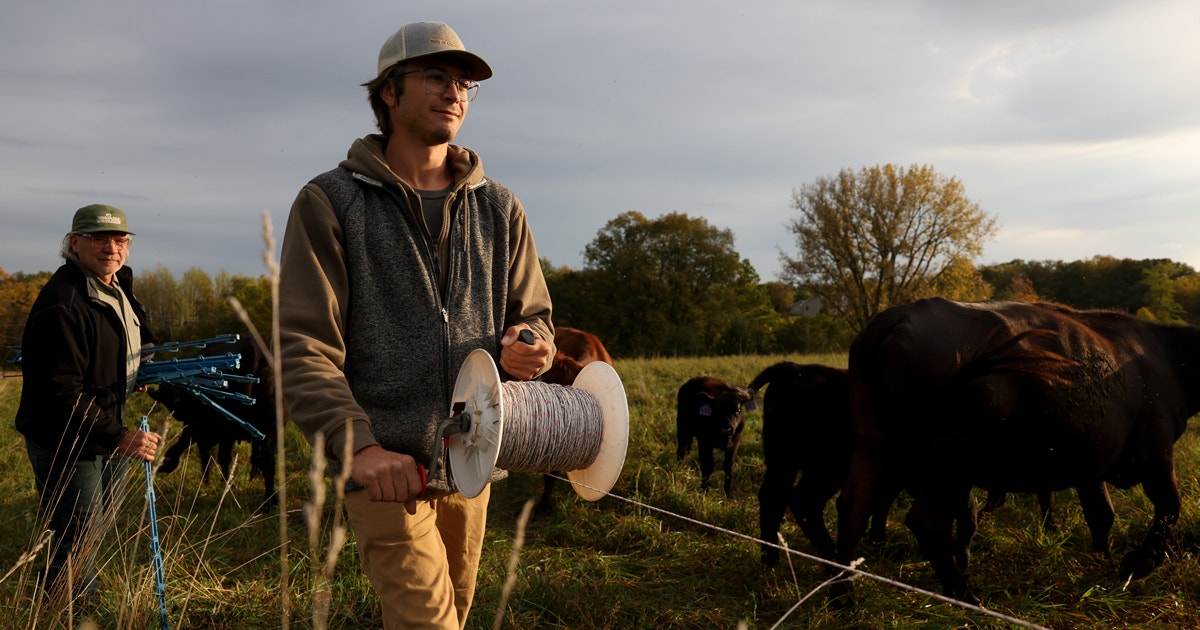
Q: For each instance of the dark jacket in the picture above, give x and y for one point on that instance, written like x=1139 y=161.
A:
x=73 y=364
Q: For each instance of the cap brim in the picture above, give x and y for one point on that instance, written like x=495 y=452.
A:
x=477 y=68
x=96 y=230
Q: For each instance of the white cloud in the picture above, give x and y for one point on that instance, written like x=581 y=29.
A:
x=1073 y=122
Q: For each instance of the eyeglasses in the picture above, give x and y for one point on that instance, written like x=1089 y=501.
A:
x=436 y=82
x=101 y=242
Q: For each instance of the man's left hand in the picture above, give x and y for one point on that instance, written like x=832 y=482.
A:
x=521 y=360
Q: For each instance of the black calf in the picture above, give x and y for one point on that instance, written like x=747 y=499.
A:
x=709 y=411
x=208 y=428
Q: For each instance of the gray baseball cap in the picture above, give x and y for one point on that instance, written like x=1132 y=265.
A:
x=425 y=39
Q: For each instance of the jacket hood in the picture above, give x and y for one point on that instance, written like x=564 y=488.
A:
x=365 y=157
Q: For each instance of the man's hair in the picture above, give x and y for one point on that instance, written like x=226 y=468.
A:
x=66 y=252
x=383 y=118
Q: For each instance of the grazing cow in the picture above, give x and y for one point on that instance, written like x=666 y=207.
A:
x=1021 y=397
x=209 y=428
x=709 y=411
x=806 y=432
x=574 y=349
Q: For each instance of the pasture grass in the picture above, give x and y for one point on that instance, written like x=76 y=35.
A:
x=658 y=554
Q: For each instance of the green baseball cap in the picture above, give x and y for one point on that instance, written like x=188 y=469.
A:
x=417 y=40
x=99 y=218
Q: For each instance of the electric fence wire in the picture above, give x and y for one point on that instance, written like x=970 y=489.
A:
x=851 y=571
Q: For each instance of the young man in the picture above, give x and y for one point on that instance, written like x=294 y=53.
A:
x=80 y=355
x=395 y=266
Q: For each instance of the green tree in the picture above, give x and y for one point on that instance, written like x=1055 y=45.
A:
x=159 y=291
x=578 y=300
x=1187 y=293
x=1159 y=281
x=782 y=296
x=960 y=280
x=1155 y=288
x=882 y=236
x=667 y=286
x=17 y=293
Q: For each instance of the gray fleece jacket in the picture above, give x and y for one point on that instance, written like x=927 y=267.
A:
x=375 y=320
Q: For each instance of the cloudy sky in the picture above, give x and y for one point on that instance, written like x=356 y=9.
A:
x=1075 y=123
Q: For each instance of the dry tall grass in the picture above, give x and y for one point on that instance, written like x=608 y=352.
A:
x=657 y=554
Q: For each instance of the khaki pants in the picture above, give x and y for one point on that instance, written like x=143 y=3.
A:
x=423 y=566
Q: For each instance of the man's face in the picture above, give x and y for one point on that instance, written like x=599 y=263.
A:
x=427 y=114
x=101 y=253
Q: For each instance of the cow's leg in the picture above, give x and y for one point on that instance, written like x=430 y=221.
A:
x=966 y=524
x=881 y=505
x=931 y=520
x=1098 y=513
x=545 y=505
x=225 y=455
x=177 y=451
x=707 y=464
x=262 y=455
x=854 y=510
x=995 y=499
x=1163 y=491
x=683 y=434
x=773 y=497
x=1046 y=503
x=808 y=507
x=204 y=452
x=727 y=466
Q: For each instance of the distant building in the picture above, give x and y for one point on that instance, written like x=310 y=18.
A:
x=808 y=307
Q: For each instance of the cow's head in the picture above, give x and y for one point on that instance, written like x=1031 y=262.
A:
x=168 y=395
x=721 y=410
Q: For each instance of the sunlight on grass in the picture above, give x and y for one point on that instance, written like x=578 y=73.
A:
x=657 y=554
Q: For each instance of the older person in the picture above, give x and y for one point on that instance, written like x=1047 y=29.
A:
x=80 y=355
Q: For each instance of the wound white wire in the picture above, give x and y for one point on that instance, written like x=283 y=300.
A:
x=549 y=428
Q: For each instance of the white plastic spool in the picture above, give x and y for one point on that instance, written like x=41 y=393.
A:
x=473 y=452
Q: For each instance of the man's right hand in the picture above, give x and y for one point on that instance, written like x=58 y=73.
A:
x=388 y=476
x=140 y=445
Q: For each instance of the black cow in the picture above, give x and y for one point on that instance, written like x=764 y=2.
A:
x=1017 y=396
x=709 y=411
x=574 y=349
x=806 y=432
x=209 y=428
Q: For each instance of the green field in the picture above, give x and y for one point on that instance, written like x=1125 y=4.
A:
x=658 y=554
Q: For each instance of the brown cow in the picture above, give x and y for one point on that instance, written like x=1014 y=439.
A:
x=806 y=441
x=574 y=349
x=1017 y=396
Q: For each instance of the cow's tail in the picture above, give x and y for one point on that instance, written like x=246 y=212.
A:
x=769 y=375
x=1030 y=352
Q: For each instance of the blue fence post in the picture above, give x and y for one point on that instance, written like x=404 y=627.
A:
x=155 y=550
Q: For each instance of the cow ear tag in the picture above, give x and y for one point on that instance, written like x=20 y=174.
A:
x=705 y=410
x=750 y=406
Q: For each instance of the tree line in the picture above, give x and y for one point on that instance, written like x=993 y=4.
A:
x=193 y=306
x=675 y=285
x=672 y=301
